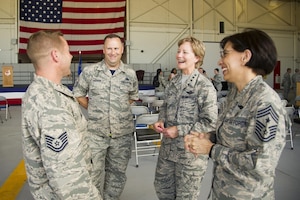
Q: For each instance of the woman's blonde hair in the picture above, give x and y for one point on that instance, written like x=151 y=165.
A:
x=197 y=46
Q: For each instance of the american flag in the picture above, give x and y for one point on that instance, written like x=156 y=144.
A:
x=84 y=23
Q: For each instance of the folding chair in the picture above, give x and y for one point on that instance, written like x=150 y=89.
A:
x=291 y=113
x=296 y=103
x=4 y=106
x=140 y=75
x=138 y=110
x=148 y=100
x=156 y=104
x=146 y=140
x=160 y=95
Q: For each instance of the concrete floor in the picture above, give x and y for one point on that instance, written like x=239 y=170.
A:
x=139 y=185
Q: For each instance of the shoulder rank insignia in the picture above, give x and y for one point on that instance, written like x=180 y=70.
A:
x=57 y=144
x=266 y=124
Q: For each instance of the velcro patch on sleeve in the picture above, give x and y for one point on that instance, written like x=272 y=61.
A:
x=266 y=124
x=57 y=144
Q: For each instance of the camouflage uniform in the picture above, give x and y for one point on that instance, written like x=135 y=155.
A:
x=110 y=123
x=217 y=82
x=251 y=133
x=55 y=146
x=295 y=78
x=191 y=106
x=286 y=83
x=162 y=84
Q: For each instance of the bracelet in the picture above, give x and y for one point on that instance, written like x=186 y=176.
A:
x=209 y=154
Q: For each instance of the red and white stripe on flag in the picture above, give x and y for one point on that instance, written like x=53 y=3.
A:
x=84 y=23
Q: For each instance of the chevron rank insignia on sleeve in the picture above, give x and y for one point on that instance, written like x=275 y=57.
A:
x=57 y=144
x=266 y=124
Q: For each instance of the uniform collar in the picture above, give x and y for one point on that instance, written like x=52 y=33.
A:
x=102 y=67
x=242 y=97
x=190 y=82
x=49 y=84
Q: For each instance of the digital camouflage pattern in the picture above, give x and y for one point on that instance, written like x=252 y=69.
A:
x=162 y=84
x=108 y=98
x=191 y=106
x=114 y=161
x=217 y=82
x=286 y=84
x=251 y=131
x=110 y=123
x=56 y=152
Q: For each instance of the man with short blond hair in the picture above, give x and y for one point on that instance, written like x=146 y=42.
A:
x=54 y=134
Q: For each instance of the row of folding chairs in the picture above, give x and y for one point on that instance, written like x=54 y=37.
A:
x=4 y=106
x=146 y=140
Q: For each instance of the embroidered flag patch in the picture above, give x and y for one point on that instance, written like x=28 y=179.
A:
x=57 y=144
x=266 y=124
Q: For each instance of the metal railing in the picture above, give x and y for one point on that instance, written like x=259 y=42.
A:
x=26 y=77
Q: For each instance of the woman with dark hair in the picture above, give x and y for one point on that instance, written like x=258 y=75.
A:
x=159 y=81
x=172 y=74
x=252 y=124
